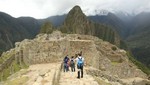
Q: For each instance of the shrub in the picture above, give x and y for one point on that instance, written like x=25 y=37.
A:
x=114 y=48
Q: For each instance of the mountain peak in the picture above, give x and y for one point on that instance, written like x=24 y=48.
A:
x=77 y=22
x=75 y=17
x=76 y=10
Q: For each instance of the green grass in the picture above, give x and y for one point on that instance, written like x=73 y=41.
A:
x=23 y=65
x=1 y=60
x=16 y=67
x=6 y=73
x=114 y=63
x=138 y=64
x=6 y=56
x=0 y=75
x=18 y=81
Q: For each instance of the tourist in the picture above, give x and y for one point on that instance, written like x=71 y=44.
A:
x=72 y=64
x=80 y=63
x=66 y=59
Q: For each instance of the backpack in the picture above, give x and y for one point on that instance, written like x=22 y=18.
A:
x=72 y=62
x=80 y=62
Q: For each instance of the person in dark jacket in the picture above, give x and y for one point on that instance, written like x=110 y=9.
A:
x=66 y=68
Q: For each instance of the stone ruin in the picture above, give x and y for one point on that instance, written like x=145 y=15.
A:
x=46 y=48
x=107 y=59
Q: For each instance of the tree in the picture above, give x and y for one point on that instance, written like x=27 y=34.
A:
x=46 y=28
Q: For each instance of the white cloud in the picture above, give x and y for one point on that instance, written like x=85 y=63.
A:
x=46 y=8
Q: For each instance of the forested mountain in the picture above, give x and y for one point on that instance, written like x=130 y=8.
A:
x=77 y=22
x=139 y=38
x=112 y=20
x=16 y=29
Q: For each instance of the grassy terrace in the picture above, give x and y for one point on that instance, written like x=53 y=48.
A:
x=10 y=69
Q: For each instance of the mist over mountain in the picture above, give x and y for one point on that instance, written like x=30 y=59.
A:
x=57 y=20
x=139 y=40
x=112 y=20
x=124 y=16
x=42 y=9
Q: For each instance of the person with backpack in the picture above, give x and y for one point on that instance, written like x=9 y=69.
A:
x=66 y=68
x=72 y=64
x=80 y=63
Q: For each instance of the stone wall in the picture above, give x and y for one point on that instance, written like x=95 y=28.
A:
x=52 y=51
x=7 y=63
x=97 y=53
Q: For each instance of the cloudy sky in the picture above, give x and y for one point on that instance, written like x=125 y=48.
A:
x=45 y=8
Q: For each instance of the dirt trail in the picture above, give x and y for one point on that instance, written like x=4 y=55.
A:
x=48 y=71
x=48 y=74
x=42 y=74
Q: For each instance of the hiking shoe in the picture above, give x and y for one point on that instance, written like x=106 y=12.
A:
x=78 y=77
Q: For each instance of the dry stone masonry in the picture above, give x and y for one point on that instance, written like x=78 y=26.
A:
x=109 y=61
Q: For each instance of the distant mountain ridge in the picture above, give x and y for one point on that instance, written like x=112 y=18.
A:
x=57 y=20
x=112 y=20
x=16 y=29
x=139 y=40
